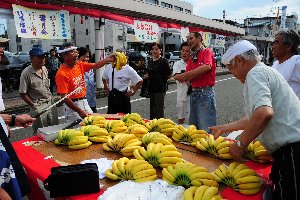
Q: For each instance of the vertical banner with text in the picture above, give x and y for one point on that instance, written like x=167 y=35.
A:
x=206 y=36
x=220 y=41
x=43 y=24
x=145 y=31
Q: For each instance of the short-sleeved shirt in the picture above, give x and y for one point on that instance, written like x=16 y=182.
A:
x=290 y=70
x=52 y=63
x=205 y=57
x=68 y=79
x=35 y=85
x=158 y=71
x=264 y=86
x=122 y=78
x=182 y=88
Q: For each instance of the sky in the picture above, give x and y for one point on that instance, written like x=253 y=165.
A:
x=237 y=10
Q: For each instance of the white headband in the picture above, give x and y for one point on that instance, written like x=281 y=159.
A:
x=71 y=48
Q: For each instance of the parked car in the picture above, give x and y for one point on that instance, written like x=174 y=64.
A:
x=172 y=57
x=137 y=61
x=23 y=57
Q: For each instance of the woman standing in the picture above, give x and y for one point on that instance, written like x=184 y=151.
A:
x=84 y=56
x=159 y=72
x=284 y=49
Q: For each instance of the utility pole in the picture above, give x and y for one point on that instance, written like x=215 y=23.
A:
x=224 y=16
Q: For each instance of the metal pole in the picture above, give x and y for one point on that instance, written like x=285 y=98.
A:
x=99 y=49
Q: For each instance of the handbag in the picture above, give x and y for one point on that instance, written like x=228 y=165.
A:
x=190 y=90
x=73 y=180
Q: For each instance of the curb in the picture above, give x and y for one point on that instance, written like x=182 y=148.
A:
x=99 y=94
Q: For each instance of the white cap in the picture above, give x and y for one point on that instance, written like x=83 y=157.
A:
x=237 y=49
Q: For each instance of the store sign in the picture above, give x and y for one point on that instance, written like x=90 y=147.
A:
x=145 y=31
x=43 y=24
x=220 y=41
x=206 y=36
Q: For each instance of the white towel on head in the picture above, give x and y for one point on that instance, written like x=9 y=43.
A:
x=237 y=49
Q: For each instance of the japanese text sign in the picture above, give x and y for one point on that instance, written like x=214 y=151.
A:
x=145 y=31
x=220 y=41
x=206 y=36
x=43 y=24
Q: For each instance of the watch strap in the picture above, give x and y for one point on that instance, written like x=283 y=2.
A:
x=13 y=120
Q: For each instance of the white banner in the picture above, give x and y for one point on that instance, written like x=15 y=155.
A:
x=145 y=31
x=283 y=17
x=43 y=24
x=220 y=41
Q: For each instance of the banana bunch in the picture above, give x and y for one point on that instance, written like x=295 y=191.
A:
x=132 y=118
x=190 y=135
x=162 y=125
x=79 y=142
x=156 y=137
x=122 y=143
x=93 y=120
x=187 y=174
x=64 y=136
x=219 y=147
x=133 y=169
x=159 y=155
x=256 y=152
x=138 y=130
x=95 y=133
x=203 y=192
x=239 y=177
x=115 y=126
x=120 y=60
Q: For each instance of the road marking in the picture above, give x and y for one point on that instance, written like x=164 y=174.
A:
x=134 y=100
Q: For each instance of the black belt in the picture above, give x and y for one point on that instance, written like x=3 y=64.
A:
x=77 y=99
x=285 y=149
x=201 y=89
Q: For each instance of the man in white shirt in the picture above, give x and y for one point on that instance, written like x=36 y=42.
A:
x=117 y=88
x=284 y=49
x=183 y=99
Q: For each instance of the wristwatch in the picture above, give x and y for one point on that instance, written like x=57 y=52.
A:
x=13 y=120
x=240 y=144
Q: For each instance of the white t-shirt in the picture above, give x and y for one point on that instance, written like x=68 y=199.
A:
x=182 y=88
x=122 y=78
x=290 y=70
x=264 y=86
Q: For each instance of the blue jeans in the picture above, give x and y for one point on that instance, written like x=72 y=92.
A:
x=203 y=109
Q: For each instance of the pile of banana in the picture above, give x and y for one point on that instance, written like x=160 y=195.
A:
x=75 y=139
x=132 y=118
x=115 y=126
x=187 y=174
x=219 y=147
x=122 y=143
x=256 y=152
x=120 y=60
x=239 y=177
x=156 y=137
x=159 y=155
x=136 y=170
x=190 y=135
x=95 y=133
x=203 y=192
x=162 y=125
x=138 y=130
x=93 y=120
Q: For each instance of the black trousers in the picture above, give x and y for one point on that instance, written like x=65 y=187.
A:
x=118 y=103
x=157 y=105
x=285 y=173
x=51 y=76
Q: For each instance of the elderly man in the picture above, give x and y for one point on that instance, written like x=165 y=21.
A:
x=272 y=116
x=34 y=90
x=70 y=76
x=201 y=72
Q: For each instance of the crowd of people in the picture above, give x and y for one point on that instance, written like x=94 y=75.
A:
x=271 y=97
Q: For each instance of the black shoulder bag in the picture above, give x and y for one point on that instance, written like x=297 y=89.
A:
x=15 y=162
x=117 y=97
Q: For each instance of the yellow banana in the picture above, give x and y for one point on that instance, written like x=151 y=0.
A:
x=250 y=192
x=232 y=166
x=210 y=140
x=249 y=186
x=78 y=140
x=141 y=168
x=200 y=191
x=209 y=182
x=137 y=154
x=202 y=175
x=101 y=139
x=170 y=154
x=219 y=140
x=200 y=146
x=248 y=179
x=145 y=179
x=244 y=172
x=189 y=193
x=170 y=160
x=225 y=156
x=106 y=147
x=168 y=176
x=209 y=193
x=115 y=168
x=223 y=144
x=238 y=168
x=161 y=140
x=110 y=175
x=204 y=143
x=80 y=146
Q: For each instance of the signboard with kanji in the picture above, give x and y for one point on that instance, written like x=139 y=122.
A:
x=206 y=37
x=220 y=41
x=43 y=24
x=145 y=31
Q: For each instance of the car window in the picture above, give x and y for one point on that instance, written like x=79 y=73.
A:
x=23 y=53
x=176 y=53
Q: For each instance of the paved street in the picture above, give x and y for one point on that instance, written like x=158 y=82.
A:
x=229 y=104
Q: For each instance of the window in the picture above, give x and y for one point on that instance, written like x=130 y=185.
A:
x=130 y=30
x=167 y=5
x=86 y=31
x=18 y=39
x=178 y=8
x=188 y=11
x=152 y=1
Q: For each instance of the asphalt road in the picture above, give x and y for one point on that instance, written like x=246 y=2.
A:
x=229 y=98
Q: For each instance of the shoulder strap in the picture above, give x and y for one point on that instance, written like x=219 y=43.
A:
x=112 y=78
x=15 y=162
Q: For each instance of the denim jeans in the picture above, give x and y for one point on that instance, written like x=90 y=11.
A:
x=203 y=109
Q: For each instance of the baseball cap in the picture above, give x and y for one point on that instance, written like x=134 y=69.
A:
x=36 y=51
x=237 y=49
